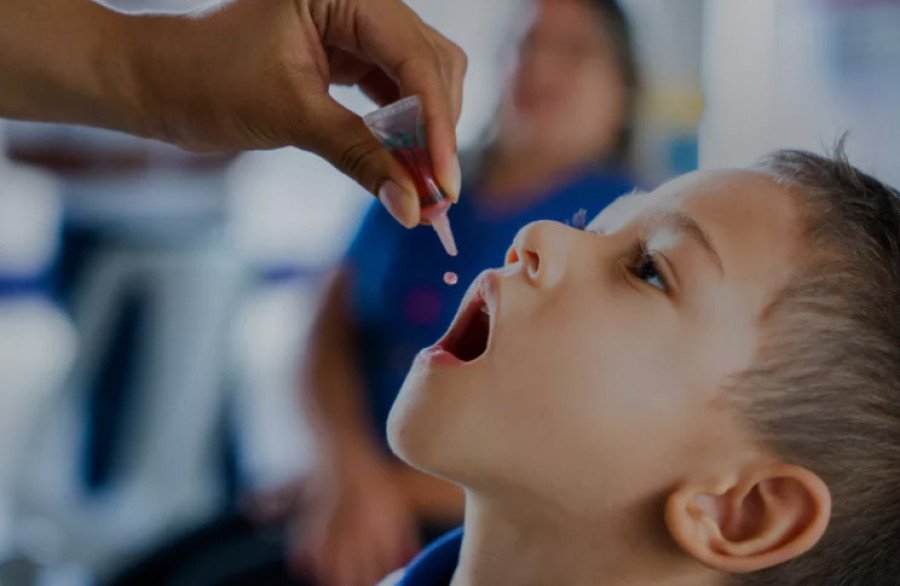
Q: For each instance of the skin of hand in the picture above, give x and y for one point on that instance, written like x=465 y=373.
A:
x=357 y=527
x=243 y=74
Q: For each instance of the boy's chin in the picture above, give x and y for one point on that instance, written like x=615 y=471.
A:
x=405 y=435
x=420 y=427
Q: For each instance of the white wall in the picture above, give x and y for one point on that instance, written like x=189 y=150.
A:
x=738 y=81
x=798 y=73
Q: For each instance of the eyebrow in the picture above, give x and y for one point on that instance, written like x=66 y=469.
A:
x=681 y=221
x=688 y=225
x=627 y=204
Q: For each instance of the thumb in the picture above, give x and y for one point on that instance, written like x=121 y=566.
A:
x=342 y=138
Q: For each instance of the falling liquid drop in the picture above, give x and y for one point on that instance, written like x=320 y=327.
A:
x=450 y=278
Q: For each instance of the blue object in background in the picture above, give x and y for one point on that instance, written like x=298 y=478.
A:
x=684 y=153
x=437 y=563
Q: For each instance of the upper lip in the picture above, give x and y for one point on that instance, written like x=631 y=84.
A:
x=481 y=298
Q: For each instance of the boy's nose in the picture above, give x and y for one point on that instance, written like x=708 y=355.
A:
x=541 y=248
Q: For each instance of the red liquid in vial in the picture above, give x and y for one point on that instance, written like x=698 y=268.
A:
x=432 y=202
x=418 y=164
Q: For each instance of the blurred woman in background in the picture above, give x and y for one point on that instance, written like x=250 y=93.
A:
x=559 y=145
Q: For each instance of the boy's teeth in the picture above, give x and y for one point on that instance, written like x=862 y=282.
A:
x=484 y=310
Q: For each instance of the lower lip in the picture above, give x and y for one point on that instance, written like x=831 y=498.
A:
x=437 y=355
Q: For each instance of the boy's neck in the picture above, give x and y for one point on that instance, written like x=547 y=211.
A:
x=512 y=545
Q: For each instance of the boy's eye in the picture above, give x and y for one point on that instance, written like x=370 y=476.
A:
x=647 y=270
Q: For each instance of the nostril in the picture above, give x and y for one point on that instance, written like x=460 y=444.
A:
x=511 y=256
x=533 y=262
x=542 y=249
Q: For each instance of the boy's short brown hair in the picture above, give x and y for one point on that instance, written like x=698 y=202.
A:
x=824 y=391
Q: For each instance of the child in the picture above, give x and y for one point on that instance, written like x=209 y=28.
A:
x=702 y=387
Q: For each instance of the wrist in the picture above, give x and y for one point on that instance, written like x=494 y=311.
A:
x=65 y=61
x=114 y=76
x=135 y=74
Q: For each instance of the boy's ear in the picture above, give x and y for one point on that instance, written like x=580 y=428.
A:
x=760 y=517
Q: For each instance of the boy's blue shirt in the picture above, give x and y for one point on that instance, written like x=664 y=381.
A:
x=436 y=564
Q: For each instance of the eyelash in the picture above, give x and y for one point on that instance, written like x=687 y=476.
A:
x=639 y=256
x=579 y=220
x=641 y=259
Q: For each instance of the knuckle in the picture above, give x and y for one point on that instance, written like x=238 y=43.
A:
x=437 y=55
x=460 y=59
x=354 y=161
x=452 y=56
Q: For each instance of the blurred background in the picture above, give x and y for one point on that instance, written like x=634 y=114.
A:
x=155 y=306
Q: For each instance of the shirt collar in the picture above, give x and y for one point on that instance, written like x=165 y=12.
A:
x=437 y=562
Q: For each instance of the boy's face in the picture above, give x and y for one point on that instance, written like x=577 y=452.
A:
x=601 y=381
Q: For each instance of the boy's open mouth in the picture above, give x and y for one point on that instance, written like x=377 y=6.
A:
x=467 y=339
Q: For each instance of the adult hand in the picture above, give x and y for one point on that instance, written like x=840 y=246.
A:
x=245 y=74
x=256 y=73
x=354 y=526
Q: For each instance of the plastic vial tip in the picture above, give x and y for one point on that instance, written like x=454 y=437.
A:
x=441 y=225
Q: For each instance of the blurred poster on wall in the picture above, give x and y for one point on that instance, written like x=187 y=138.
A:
x=861 y=52
x=668 y=41
x=800 y=74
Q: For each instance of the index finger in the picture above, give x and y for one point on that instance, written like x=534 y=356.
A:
x=418 y=77
x=393 y=37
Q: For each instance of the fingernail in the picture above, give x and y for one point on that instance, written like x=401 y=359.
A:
x=397 y=202
x=455 y=180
